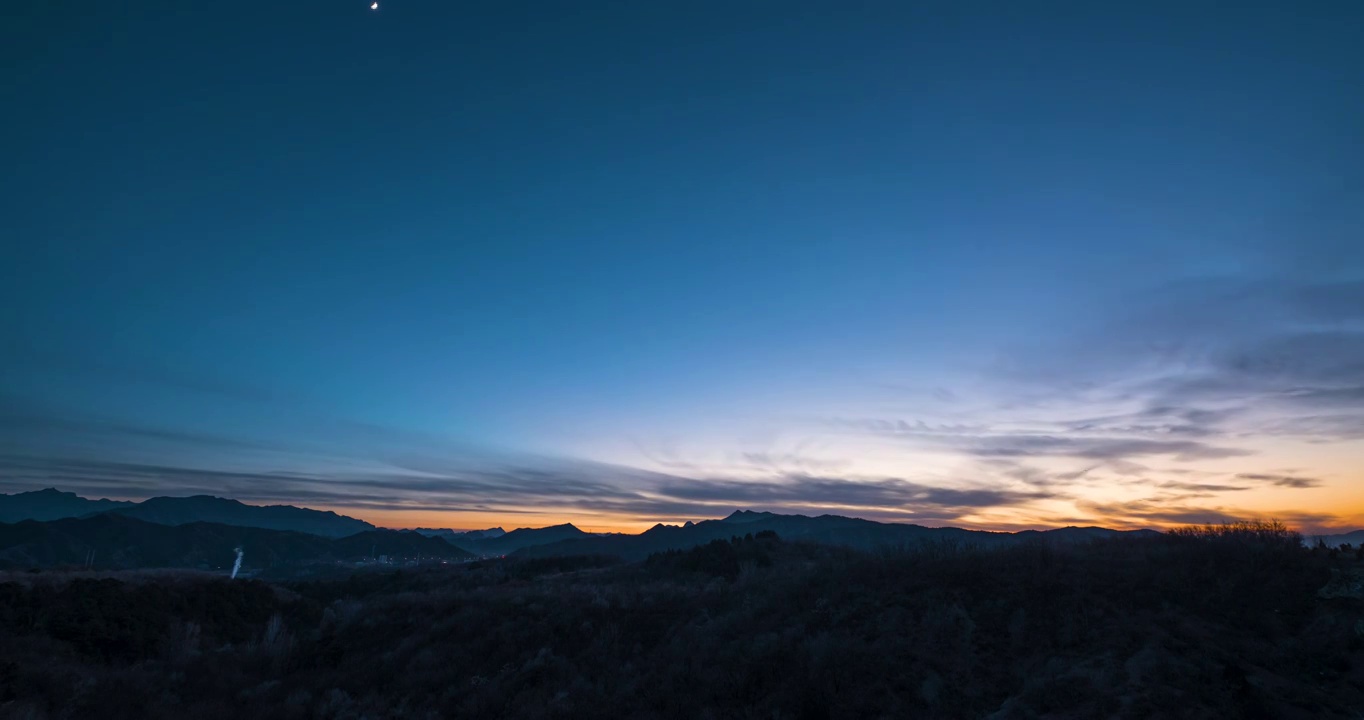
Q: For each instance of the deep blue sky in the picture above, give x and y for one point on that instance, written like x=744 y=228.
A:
x=460 y=257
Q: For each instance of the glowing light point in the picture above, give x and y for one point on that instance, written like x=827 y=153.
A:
x=374 y=6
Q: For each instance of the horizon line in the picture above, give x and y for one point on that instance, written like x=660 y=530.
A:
x=1039 y=527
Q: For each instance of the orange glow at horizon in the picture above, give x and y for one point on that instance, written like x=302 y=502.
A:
x=1004 y=520
x=1334 y=505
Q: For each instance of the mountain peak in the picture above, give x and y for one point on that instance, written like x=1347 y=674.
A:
x=747 y=516
x=560 y=527
x=48 y=494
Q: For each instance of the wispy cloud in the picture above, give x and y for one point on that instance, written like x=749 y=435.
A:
x=141 y=372
x=1075 y=439
x=1170 y=512
x=887 y=493
x=1092 y=448
x=24 y=422
x=1290 y=481
x=1201 y=487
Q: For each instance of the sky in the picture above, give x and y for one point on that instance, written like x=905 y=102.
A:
x=447 y=264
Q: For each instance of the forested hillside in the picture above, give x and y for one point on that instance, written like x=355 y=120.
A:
x=1206 y=624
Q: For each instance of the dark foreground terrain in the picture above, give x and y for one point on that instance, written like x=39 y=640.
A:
x=1214 y=623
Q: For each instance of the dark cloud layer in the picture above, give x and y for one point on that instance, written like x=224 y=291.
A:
x=573 y=486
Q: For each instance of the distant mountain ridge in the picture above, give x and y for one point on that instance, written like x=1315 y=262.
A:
x=520 y=538
x=115 y=541
x=52 y=504
x=556 y=540
x=1354 y=538
x=824 y=529
x=455 y=536
x=206 y=508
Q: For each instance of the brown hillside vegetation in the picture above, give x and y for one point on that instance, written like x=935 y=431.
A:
x=1219 y=622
